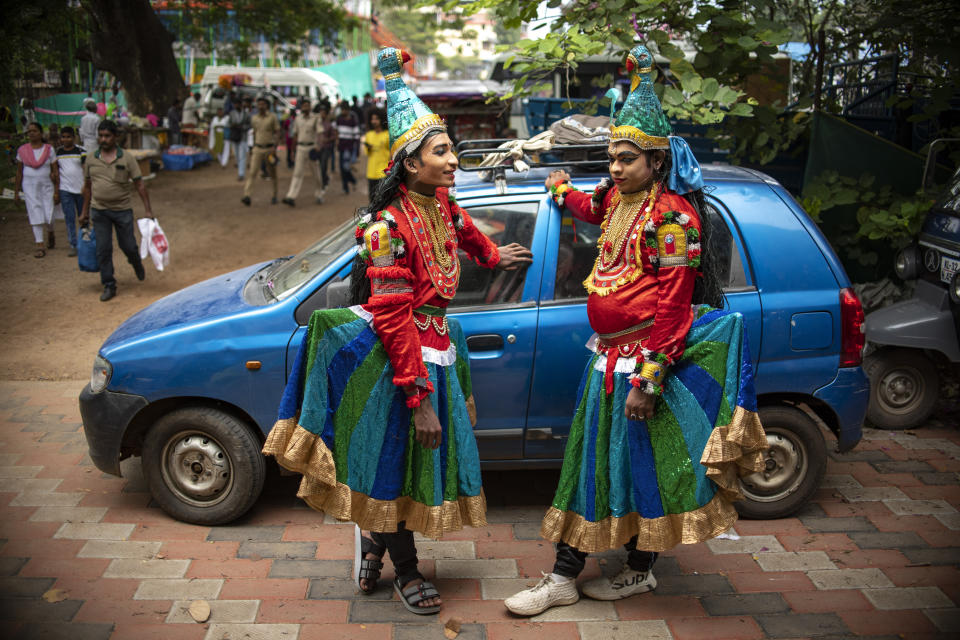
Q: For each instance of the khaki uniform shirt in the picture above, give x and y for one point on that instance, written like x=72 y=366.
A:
x=306 y=127
x=111 y=183
x=265 y=128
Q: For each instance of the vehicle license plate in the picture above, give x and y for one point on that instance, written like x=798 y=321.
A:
x=948 y=267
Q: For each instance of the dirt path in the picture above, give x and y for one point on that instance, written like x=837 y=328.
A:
x=55 y=322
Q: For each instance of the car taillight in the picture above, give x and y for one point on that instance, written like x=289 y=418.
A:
x=852 y=337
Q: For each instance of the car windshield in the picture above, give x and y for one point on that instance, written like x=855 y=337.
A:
x=286 y=276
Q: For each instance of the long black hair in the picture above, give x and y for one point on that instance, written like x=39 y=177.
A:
x=707 y=289
x=386 y=192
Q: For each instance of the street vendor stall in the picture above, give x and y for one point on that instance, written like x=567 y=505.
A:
x=183 y=158
x=144 y=158
x=195 y=137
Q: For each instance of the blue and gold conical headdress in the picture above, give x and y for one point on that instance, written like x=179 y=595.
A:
x=641 y=120
x=408 y=118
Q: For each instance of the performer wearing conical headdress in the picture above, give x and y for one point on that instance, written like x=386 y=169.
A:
x=377 y=413
x=666 y=418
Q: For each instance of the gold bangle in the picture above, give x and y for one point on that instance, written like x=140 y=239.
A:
x=653 y=372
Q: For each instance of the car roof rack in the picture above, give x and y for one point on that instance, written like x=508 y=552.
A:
x=589 y=156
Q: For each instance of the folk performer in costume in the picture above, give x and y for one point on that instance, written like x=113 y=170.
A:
x=375 y=415
x=666 y=416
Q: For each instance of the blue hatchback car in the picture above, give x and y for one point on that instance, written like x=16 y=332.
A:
x=192 y=382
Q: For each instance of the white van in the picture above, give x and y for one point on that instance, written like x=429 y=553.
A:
x=300 y=81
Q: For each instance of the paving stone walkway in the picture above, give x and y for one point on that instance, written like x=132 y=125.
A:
x=86 y=556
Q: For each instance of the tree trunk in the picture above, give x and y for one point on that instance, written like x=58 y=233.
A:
x=128 y=40
x=818 y=90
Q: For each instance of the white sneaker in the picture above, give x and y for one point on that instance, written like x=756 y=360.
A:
x=544 y=595
x=624 y=584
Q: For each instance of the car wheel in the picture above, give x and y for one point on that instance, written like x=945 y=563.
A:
x=203 y=466
x=904 y=385
x=795 y=464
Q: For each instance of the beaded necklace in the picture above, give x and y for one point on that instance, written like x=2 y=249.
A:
x=433 y=234
x=620 y=224
x=622 y=229
x=429 y=209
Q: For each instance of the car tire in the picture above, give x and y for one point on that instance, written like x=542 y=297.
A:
x=904 y=386
x=796 y=462
x=203 y=466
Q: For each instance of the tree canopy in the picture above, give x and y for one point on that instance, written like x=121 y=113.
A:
x=127 y=38
x=713 y=48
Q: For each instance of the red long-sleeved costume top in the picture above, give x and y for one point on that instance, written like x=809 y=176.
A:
x=651 y=278
x=405 y=275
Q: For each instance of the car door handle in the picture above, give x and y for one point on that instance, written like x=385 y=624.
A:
x=485 y=342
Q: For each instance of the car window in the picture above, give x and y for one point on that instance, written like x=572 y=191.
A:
x=502 y=223
x=578 y=251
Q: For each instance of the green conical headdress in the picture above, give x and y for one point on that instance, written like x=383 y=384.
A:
x=641 y=120
x=408 y=118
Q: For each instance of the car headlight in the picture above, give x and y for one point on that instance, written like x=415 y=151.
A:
x=100 y=378
x=907 y=263
x=955 y=288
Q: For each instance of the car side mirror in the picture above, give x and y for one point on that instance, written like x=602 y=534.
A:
x=338 y=294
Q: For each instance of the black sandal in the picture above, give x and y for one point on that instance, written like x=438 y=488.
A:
x=412 y=596
x=363 y=567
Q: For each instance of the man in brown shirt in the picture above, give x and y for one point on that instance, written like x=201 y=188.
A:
x=304 y=130
x=266 y=136
x=109 y=176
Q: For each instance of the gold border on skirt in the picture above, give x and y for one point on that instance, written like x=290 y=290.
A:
x=301 y=451
x=733 y=450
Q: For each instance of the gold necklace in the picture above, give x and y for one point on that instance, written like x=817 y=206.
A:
x=429 y=210
x=621 y=224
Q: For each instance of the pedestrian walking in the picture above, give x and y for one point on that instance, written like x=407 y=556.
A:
x=239 y=126
x=53 y=135
x=376 y=144
x=378 y=467
x=219 y=130
x=348 y=134
x=191 y=111
x=173 y=123
x=39 y=179
x=288 y=139
x=666 y=418
x=70 y=161
x=327 y=144
x=88 y=126
x=109 y=176
x=304 y=130
x=266 y=137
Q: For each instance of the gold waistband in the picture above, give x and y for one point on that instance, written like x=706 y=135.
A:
x=643 y=325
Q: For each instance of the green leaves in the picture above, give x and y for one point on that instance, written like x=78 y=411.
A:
x=881 y=214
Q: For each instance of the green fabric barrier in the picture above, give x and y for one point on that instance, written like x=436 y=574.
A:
x=353 y=74
x=66 y=108
x=837 y=145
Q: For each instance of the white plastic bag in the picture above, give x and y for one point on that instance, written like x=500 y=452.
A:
x=153 y=242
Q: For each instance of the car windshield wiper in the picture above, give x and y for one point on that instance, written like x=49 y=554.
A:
x=269 y=270
x=268 y=289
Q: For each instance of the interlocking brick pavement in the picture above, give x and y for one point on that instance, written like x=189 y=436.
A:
x=87 y=556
